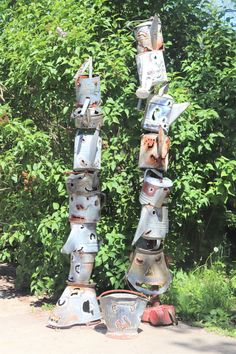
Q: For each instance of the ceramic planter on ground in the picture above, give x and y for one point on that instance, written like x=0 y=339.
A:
x=83 y=238
x=148 y=272
x=122 y=311
x=87 y=151
x=77 y=305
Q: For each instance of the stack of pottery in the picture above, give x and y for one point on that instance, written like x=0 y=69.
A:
x=148 y=272
x=78 y=303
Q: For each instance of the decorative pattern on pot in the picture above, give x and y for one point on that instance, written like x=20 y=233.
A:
x=154 y=151
x=155 y=189
x=153 y=223
x=148 y=272
x=148 y=35
x=151 y=71
x=83 y=182
x=91 y=119
x=162 y=111
x=77 y=305
x=87 y=151
x=81 y=266
x=86 y=209
x=122 y=311
x=82 y=238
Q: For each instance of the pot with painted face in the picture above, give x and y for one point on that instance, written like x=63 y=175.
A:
x=148 y=35
x=86 y=209
x=82 y=238
x=161 y=111
x=148 y=272
x=86 y=182
x=81 y=266
x=153 y=223
x=77 y=305
x=154 y=150
x=87 y=151
x=91 y=118
x=155 y=189
x=151 y=71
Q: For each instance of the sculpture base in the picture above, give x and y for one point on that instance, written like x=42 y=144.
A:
x=77 y=306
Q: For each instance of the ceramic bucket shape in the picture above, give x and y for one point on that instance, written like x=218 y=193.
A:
x=155 y=189
x=82 y=238
x=148 y=272
x=161 y=111
x=86 y=209
x=77 y=305
x=91 y=119
x=87 y=151
x=151 y=71
x=148 y=35
x=81 y=266
x=83 y=182
x=154 y=151
x=122 y=311
x=153 y=223
x=88 y=87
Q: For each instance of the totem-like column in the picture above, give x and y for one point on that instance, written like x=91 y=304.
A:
x=148 y=272
x=78 y=303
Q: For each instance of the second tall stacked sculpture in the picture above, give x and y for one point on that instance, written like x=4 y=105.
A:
x=78 y=303
x=148 y=272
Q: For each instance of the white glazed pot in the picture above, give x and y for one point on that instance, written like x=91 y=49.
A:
x=153 y=223
x=82 y=182
x=155 y=189
x=87 y=151
x=83 y=238
x=85 y=209
x=151 y=71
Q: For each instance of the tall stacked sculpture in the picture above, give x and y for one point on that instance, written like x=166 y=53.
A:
x=148 y=272
x=78 y=303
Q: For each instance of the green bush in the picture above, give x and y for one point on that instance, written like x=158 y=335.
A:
x=205 y=294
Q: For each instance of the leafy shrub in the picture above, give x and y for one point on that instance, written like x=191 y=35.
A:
x=203 y=294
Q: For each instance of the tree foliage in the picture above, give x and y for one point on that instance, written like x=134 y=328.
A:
x=36 y=136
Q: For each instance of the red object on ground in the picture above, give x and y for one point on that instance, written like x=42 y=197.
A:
x=160 y=315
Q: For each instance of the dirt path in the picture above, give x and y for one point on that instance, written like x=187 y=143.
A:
x=23 y=331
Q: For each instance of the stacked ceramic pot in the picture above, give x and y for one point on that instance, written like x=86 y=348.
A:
x=148 y=272
x=78 y=303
